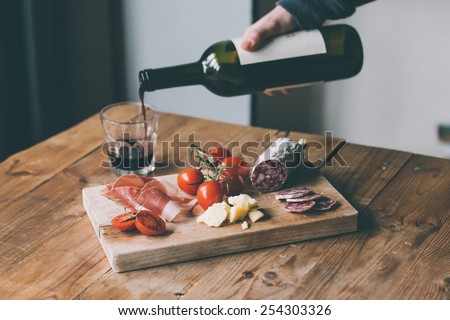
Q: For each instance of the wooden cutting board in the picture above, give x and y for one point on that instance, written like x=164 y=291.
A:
x=185 y=239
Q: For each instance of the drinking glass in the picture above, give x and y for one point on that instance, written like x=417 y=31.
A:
x=130 y=137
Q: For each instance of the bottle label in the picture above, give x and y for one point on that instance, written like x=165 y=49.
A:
x=291 y=45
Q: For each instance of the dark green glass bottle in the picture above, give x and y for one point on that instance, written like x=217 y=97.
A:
x=335 y=54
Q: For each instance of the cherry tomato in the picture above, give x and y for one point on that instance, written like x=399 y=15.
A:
x=124 y=221
x=218 y=153
x=189 y=180
x=209 y=192
x=150 y=224
x=241 y=166
x=231 y=181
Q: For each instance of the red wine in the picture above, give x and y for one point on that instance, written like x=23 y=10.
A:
x=144 y=114
x=130 y=156
x=302 y=57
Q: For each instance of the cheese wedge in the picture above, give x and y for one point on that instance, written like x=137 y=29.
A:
x=243 y=205
x=238 y=213
x=215 y=215
x=243 y=200
x=255 y=215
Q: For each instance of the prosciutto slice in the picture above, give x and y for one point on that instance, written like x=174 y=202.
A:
x=161 y=197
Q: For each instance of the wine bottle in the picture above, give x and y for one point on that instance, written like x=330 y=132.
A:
x=298 y=58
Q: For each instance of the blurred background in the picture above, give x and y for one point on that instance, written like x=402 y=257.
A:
x=61 y=61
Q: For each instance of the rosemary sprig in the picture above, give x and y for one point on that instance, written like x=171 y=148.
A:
x=214 y=171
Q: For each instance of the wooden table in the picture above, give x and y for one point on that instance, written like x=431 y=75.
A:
x=401 y=251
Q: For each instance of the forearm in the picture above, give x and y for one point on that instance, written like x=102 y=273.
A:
x=310 y=14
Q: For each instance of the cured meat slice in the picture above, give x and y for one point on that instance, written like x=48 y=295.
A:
x=308 y=197
x=124 y=195
x=125 y=190
x=160 y=197
x=171 y=189
x=290 y=193
x=154 y=196
x=324 y=203
x=274 y=165
x=131 y=180
x=298 y=207
x=153 y=199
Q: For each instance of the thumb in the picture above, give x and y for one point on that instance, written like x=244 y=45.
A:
x=252 y=39
x=257 y=34
x=276 y=22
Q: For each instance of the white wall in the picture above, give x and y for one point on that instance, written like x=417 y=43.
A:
x=403 y=91
x=397 y=101
x=161 y=33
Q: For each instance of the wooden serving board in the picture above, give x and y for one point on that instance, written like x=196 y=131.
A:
x=185 y=239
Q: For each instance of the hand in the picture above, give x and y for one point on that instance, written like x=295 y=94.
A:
x=276 y=22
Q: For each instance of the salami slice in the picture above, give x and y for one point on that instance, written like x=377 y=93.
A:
x=298 y=207
x=324 y=203
x=275 y=163
x=290 y=193
x=308 y=197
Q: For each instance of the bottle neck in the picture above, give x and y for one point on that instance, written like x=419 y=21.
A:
x=177 y=76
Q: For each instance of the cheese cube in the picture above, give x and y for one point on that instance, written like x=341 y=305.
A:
x=215 y=215
x=243 y=200
x=255 y=215
x=244 y=225
x=238 y=213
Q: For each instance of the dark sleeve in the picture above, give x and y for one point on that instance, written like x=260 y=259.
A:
x=310 y=14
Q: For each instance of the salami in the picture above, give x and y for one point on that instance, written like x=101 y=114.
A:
x=292 y=193
x=303 y=199
x=298 y=207
x=308 y=197
x=275 y=163
x=269 y=175
x=324 y=203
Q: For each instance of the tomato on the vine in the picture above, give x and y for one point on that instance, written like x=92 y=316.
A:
x=231 y=181
x=218 y=153
x=239 y=165
x=149 y=223
x=124 y=221
x=189 y=180
x=209 y=192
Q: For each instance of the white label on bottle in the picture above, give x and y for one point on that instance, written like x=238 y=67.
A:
x=296 y=44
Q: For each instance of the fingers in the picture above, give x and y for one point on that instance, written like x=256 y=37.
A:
x=276 y=22
x=272 y=92
x=269 y=92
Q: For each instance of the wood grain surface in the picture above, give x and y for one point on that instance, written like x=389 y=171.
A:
x=49 y=250
x=398 y=227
